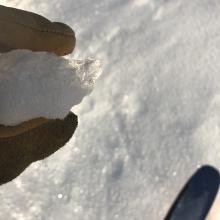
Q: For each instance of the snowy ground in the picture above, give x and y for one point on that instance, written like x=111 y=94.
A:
x=152 y=119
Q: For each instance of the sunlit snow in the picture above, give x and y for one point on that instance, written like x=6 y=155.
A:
x=151 y=121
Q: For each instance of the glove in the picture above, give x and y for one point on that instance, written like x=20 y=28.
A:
x=25 y=30
x=38 y=138
x=19 y=151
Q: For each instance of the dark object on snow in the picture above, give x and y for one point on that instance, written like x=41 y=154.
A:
x=18 y=152
x=197 y=197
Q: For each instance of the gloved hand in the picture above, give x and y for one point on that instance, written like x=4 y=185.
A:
x=25 y=30
x=38 y=138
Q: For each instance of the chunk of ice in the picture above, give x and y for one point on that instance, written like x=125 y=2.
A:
x=39 y=84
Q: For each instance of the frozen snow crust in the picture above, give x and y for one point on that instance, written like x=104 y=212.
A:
x=39 y=84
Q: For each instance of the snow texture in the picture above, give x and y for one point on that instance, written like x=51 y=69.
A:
x=152 y=119
x=40 y=84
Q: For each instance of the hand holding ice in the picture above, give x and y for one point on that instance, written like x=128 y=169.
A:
x=39 y=84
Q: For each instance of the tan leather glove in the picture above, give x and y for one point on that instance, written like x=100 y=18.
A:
x=26 y=30
x=19 y=151
x=38 y=138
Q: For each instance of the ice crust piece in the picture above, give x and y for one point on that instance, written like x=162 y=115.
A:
x=40 y=84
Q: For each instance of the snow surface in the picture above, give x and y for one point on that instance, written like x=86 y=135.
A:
x=34 y=85
x=152 y=119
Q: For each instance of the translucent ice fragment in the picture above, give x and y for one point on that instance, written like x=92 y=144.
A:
x=40 y=84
